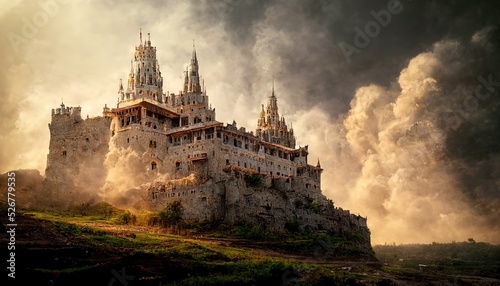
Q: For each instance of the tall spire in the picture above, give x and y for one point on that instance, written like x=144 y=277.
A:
x=194 y=59
x=192 y=76
x=271 y=127
x=273 y=102
x=273 y=87
x=144 y=80
x=194 y=52
x=120 y=89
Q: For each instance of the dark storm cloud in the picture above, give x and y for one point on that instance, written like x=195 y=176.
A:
x=316 y=28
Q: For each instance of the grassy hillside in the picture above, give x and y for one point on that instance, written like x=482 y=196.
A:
x=99 y=245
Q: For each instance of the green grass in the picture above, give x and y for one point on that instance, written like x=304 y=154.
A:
x=198 y=262
x=476 y=259
x=69 y=229
x=211 y=262
x=318 y=245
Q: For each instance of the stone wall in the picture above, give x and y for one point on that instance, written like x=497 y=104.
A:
x=268 y=203
x=77 y=149
x=179 y=154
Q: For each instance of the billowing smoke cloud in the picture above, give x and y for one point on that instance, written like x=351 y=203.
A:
x=126 y=178
x=399 y=128
x=409 y=182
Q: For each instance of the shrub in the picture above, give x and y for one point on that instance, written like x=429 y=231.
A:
x=315 y=207
x=293 y=225
x=127 y=218
x=171 y=215
x=252 y=180
x=249 y=231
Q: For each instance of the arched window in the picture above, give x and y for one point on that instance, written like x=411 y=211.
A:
x=153 y=165
x=177 y=165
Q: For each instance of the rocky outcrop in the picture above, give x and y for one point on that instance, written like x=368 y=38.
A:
x=260 y=200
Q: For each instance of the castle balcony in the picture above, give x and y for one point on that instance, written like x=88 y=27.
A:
x=197 y=156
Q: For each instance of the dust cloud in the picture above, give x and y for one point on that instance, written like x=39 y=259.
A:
x=395 y=165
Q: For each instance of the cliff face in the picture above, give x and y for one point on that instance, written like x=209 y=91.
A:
x=269 y=203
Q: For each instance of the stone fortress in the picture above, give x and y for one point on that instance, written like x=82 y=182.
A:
x=218 y=172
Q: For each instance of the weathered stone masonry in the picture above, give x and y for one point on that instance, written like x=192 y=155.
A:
x=206 y=161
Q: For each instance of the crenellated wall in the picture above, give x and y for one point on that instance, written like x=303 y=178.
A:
x=77 y=148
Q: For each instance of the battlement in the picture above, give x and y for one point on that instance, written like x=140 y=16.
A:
x=67 y=110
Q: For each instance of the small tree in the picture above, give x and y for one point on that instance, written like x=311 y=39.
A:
x=471 y=240
x=127 y=218
x=171 y=216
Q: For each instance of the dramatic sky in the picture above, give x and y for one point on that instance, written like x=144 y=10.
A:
x=399 y=100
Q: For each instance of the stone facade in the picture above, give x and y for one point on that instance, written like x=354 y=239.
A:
x=77 y=148
x=219 y=172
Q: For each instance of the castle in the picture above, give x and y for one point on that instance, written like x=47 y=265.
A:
x=218 y=172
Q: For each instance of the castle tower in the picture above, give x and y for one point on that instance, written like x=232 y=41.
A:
x=271 y=127
x=145 y=80
x=192 y=101
x=192 y=76
x=272 y=111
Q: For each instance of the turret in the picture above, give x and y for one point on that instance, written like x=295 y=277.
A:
x=145 y=80
x=192 y=101
x=121 y=91
x=271 y=127
x=192 y=75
